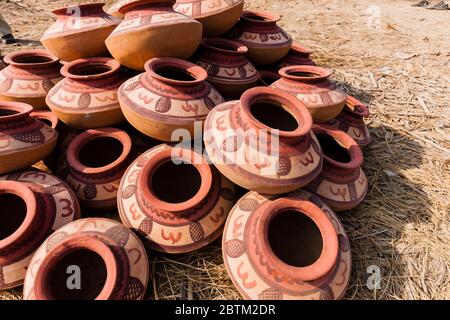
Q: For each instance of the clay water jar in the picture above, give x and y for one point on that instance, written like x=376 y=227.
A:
x=79 y=32
x=286 y=248
x=29 y=76
x=111 y=259
x=313 y=87
x=342 y=182
x=32 y=204
x=296 y=56
x=263 y=142
x=151 y=28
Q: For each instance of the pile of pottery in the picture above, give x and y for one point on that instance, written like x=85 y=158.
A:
x=135 y=95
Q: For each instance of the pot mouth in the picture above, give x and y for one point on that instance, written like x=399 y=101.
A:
x=297 y=48
x=90 y=68
x=10 y=111
x=356 y=107
x=305 y=73
x=130 y=5
x=268 y=77
x=71 y=10
x=224 y=46
x=260 y=17
x=176 y=71
x=31 y=59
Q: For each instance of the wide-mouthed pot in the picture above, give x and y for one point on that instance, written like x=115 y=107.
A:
x=297 y=56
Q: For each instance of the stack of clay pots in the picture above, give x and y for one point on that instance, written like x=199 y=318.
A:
x=135 y=93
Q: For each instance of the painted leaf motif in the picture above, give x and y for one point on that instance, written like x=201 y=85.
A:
x=242 y=72
x=213 y=70
x=131 y=86
x=129 y=191
x=84 y=101
x=163 y=105
x=146 y=226
x=34 y=136
x=248 y=204
x=235 y=248
x=47 y=85
x=196 y=231
x=134 y=290
x=54 y=239
x=6 y=85
x=119 y=234
x=284 y=166
x=90 y=191
x=228 y=194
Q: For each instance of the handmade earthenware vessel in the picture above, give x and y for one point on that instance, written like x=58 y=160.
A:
x=229 y=71
x=79 y=32
x=312 y=86
x=93 y=165
x=32 y=204
x=267 y=43
x=114 y=9
x=87 y=97
x=172 y=94
x=268 y=77
x=110 y=258
x=264 y=141
x=24 y=140
x=342 y=183
x=29 y=76
x=151 y=28
x=297 y=56
x=216 y=16
x=286 y=248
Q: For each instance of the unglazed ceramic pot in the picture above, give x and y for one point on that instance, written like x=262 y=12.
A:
x=216 y=16
x=342 y=183
x=286 y=248
x=351 y=121
x=110 y=258
x=79 y=32
x=297 y=56
x=93 y=165
x=229 y=71
x=24 y=140
x=29 y=77
x=32 y=204
x=267 y=43
x=87 y=97
x=174 y=199
x=151 y=28
x=312 y=86
x=172 y=94
x=114 y=9
x=264 y=142
x=268 y=77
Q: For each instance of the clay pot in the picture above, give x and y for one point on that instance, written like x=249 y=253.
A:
x=264 y=142
x=351 y=121
x=79 y=32
x=151 y=28
x=32 y=204
x=267 y=43
x=297 y=56
x=217 y=17
x=174 y=199
x=111 y=259
x=87 y=97
x=172 y=94
x=93 y=165
x=268 y=77
x=114 y=9
x=286 y=248
x=342 y=183
x=24 y=140
x=229 y=71
x=29 y=77
x=312 y=86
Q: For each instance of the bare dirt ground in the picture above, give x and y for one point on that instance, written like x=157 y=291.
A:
x=394 y=57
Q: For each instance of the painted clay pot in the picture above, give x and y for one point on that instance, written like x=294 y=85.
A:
x=264 y=142
x=286 y=248
x=29 y=76
x=87 y=97
x=79 y=32
x=93 y=165
x=172 y=94
x=297 y=56
x=312 y=86
x=114 y=9
x=351 y=121
x=229 y=71
x=216 y=16
x=267 y=43
x=268 y=77
x=342 y=183
x=151 y=28
x=174 y=199
x=111 y=259
x=24 y=140
x=33 y=204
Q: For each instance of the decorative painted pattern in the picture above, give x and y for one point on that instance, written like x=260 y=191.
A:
x=201 y=8
x=65 y=25
x=26 y=84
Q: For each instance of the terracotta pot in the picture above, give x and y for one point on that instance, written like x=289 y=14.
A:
x=217 y=17
x=175 y=207
x=29 y=77
x=264 y=142
x=351 y=121
x=286 y=248
x=151 y=28
x=33 y=204
x=79 y=32
x=172 y=94
x=267 y=43
x=297 y=56
x=111 y=259
x=87 y=97
x=312 y=86
x=24 y=140
x=114 y=9
x=93 y=165
x=229 y=71
x=342 y=183
x=268 y=77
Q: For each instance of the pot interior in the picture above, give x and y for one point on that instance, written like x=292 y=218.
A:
x=6 y=112
x=174 y=73
x=31 y=59
x=332 y=149
x=303 y=74
x=273 y=115
x=89 y=69
x=13 y=210
x=100 y=152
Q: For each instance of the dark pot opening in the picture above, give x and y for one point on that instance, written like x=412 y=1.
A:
x=6 y=113
x=89 y=69
x=256 y=17
x=100 y=152
x=175 y=73
x=13 y=211
x=302 y=74
x=31 y=59
x=332 y=149
x=273 y=115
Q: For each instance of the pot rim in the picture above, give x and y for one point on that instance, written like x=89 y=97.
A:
x=9 y=59
x=352 y=102
x=127 y=6
x=269 y=17
x=67 y=69
x=63 y=10
x=239 y=48
x=22 y=110
x=319 y=73
x=301 y=49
